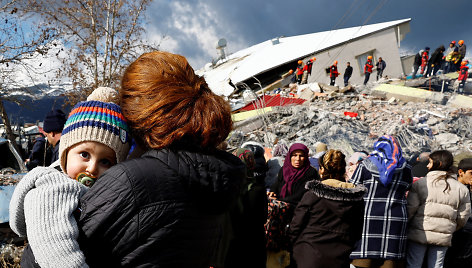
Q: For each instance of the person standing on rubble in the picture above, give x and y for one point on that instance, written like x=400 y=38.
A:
x=434 y=63
x=368 y=69
x=417 y=63
x=299 y=72
x=333 y=73
x=462 y=52
x=452 y=50
x=347 y=73
x=387 y=177
x=424 y=60
x=307 y=70
x=380 y=65
x=463 y=75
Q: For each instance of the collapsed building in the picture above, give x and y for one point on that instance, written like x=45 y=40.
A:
x=422 y=113
x=264 y=63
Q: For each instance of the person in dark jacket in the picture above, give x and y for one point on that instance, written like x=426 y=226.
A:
x=435 y=61
x=40 y=155
x=328 y=220
x=260 y=167
x=459 y=255
x=417 y=63
x=347 y=74
x=290 y=184
x=419 y=167
x=299 y=72
x=52 y=125
x=166 y=207
x=381 y=65
x=295 y=173
x=462 y=52
x=248 y=248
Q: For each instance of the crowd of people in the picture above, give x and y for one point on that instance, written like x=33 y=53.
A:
x=142 y=177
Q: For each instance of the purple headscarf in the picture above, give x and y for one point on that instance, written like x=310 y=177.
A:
x=291 y=174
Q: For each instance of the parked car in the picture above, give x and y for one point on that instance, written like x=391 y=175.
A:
x=12 y=169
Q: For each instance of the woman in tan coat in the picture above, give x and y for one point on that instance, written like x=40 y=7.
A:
x=438 y=205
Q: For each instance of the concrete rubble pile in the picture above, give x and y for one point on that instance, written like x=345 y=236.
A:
x=353 y=121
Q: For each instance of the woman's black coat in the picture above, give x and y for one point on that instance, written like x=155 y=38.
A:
x=164 y=209
x=327 y=223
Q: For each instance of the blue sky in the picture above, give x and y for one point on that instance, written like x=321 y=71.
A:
x=192 y=27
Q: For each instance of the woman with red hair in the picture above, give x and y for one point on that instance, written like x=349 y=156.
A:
x=166 y=207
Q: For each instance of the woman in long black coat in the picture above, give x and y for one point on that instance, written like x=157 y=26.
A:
x=328 y=220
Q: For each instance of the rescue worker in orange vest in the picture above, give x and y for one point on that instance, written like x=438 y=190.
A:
x=463 y=74
x=424 y=61
x=333 y=72
x=307 y=70
x=299 y=71
x=368 y=69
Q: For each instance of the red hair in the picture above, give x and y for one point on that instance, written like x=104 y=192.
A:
x=164 y=102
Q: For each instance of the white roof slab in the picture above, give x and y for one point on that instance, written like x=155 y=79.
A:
x=265 y=56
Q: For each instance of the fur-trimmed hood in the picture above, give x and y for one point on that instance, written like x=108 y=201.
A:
x=336 y=190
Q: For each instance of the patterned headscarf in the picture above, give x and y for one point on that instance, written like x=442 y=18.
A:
x=387 y=156
x=247 y=156
x=291 y=174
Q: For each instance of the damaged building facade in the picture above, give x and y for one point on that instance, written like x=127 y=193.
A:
x=264 y=63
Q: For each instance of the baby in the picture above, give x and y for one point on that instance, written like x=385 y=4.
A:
x=95 y=137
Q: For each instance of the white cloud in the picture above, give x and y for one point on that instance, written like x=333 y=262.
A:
x=193 y=29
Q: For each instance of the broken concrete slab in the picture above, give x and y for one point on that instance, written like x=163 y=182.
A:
x=307 y=94
x=460 y=101
x=415 y=82
x=407 y=94
x=346 y=89
x=328 y=88
x=249 y=114
x=453 y=75
x=447 y=138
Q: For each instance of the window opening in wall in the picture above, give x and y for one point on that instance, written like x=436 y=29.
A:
x=362 y=59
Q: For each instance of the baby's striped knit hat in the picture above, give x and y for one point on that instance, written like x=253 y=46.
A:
x=98 y=119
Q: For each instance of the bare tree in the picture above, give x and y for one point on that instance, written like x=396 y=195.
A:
x=18 y=43
x=103 y=36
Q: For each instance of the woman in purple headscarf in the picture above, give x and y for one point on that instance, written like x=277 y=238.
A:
x=296 y=171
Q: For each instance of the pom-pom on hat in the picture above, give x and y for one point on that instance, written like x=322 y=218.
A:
x=98 y=119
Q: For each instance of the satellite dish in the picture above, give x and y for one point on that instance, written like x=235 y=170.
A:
x=221 y=43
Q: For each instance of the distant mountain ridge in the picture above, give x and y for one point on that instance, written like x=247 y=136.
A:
x=36 y=102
